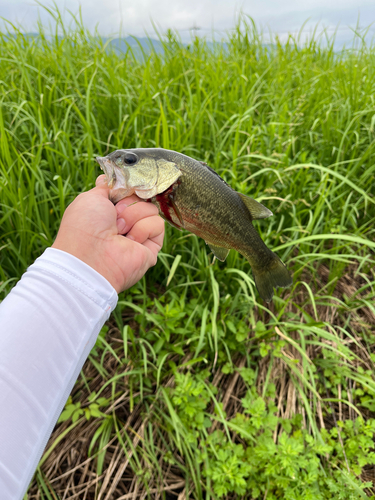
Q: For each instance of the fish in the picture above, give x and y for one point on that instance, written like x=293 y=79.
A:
x=191 y=195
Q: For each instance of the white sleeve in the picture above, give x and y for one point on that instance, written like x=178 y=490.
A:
x=49 y=323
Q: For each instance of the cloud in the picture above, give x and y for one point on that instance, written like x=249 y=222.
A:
x=137 y=16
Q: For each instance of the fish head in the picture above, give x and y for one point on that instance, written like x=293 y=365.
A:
x=141 y=171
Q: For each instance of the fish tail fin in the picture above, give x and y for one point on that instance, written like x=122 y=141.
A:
x=271 y=275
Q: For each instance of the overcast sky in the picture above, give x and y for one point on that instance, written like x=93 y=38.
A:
x=281 y=16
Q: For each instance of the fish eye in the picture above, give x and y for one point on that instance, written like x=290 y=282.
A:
x=130 y=158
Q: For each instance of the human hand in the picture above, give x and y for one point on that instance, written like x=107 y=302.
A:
x=92 y=228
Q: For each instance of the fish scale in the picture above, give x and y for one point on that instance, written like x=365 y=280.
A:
x=191 y=195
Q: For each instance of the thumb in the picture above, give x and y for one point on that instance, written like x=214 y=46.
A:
x=101 y=181
x=101 y=186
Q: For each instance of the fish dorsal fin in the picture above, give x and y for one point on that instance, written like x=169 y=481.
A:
x=219 y=252
x=214 y=172
x=256 y=209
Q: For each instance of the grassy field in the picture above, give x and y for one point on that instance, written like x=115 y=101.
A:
x=196 y=389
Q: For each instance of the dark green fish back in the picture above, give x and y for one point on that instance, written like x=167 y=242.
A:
x=203 y=203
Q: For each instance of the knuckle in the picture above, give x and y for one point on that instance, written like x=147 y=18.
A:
x=155 y=209
x=160 y=224
x=147 y=208
x=154 y=260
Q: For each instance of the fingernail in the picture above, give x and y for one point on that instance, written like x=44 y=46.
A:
x=121 y=224
x=120 y=207
x=131 y=237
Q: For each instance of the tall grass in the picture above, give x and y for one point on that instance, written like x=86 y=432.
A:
x=291 y=125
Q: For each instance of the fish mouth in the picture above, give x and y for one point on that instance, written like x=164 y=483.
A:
x=117 y=179
x=108 y=168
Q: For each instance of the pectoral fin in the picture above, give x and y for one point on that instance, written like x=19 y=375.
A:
x=256 y=209
x=219 y=252
x=177 y=212
x=170 y=221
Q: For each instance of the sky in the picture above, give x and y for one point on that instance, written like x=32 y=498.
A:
x=136 y=17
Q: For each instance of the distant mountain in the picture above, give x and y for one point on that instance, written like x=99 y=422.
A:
x=137 y=44
x=120 y=45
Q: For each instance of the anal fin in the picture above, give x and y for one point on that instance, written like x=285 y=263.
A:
x=219 y=252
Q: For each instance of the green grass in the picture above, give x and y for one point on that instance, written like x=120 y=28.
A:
x=195 y=386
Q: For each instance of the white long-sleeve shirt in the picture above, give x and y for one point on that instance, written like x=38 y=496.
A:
x=49 y=323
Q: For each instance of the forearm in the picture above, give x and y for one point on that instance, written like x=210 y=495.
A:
x=48 y=325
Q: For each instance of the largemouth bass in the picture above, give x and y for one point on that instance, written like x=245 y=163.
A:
x=191 y=195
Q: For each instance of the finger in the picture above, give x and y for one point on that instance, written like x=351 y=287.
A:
x=101 y=180
x=101 y=186
x=158 y=240
x=133 y=214
x=125 y=202
x=153 y=247
x=121 y=224
x=147 y=229
x=145 y=256
x=154 y=244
